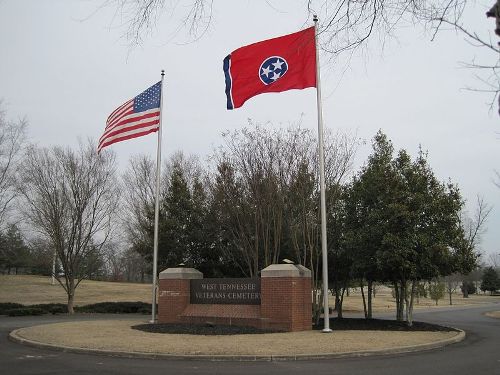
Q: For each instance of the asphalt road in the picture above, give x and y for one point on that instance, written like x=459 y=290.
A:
x=478 y=354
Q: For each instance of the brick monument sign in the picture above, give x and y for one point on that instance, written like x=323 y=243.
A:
x=280 y=299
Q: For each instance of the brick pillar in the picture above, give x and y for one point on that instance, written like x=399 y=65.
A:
x=286 y=300
x=174 y=292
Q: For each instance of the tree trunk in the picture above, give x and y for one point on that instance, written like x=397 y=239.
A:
x=410 y=307
x=396 y=298
x=450 y=293
x=338 y=301
x=402 y=296
x=465 y=290
x=71 y=303
x=400 y=301
x=370 y=294
x=398 y=292
x=71 y=296
x=364 y=300
x=342 y=302
x=406 y=301
x=318 y=305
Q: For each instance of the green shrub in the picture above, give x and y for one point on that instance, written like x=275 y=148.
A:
x=17 y=309
x=421 y=290
x=25 y=311
x=52 y=308
x=115 y=308
x=5 y=306
x=437 y=291
x=471 y=288
x=490 y=281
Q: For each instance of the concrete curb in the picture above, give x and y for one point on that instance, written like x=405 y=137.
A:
x=14 y=337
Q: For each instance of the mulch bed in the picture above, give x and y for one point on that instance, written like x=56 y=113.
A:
x=360 y=324
x=335 y=324
x=205 y=329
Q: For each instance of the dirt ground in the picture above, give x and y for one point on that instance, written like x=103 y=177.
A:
x=118 y=336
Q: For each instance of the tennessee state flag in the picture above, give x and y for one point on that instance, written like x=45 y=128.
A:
x=274 y=65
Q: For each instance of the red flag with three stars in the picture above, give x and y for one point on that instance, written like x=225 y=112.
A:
x=274 y=65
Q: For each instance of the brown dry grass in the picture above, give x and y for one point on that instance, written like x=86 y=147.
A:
x=28 y=289
x=493 y=314
x=119 y=336
x=384 y=303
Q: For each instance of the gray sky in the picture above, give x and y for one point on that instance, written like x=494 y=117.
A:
x=65 y=66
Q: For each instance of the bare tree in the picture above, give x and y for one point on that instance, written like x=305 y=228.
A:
x=12 y=138
x=115 y=262
x=494 y=260
x=345 y=25
x=267 y=194
x=139 y=192
x=487 y=73
x=141 y=16
x=349 y=24
x=452 y=282
x=135 y=266
x=473 y=229
x=70 y=199
x=254 y=168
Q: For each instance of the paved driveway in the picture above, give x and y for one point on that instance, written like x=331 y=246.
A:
x=478 y=354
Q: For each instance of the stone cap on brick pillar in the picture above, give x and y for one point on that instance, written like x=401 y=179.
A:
x=285 y=270
x=304 y=271
x=181 y=273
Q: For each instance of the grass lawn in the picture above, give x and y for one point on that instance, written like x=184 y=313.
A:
x=118 y=335
x=384 y=303
x=29 y=289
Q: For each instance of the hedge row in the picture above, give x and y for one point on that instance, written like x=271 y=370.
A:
x=17 y=309
x=116 y=308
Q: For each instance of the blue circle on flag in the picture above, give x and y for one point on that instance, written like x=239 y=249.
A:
x=272 y=69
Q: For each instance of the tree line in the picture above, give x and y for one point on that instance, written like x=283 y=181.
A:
x=254 y=203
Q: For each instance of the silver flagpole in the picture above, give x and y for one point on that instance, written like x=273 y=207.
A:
x=157 y=208
x=322 y=184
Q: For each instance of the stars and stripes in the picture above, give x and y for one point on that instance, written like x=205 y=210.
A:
x=135 y=118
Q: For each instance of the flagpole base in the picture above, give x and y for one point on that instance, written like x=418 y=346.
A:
x=326 y=330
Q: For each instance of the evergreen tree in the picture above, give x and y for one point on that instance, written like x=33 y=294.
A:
x=203 y=254
x=368 y=200
x=491 y=280
x=176 y=211
x=436 y=291
x=14 y=253
x=403 y=224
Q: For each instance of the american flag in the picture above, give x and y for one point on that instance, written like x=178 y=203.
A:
x=135 y=118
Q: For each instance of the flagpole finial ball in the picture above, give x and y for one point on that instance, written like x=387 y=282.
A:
x=315 y=18
x=162 y=72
